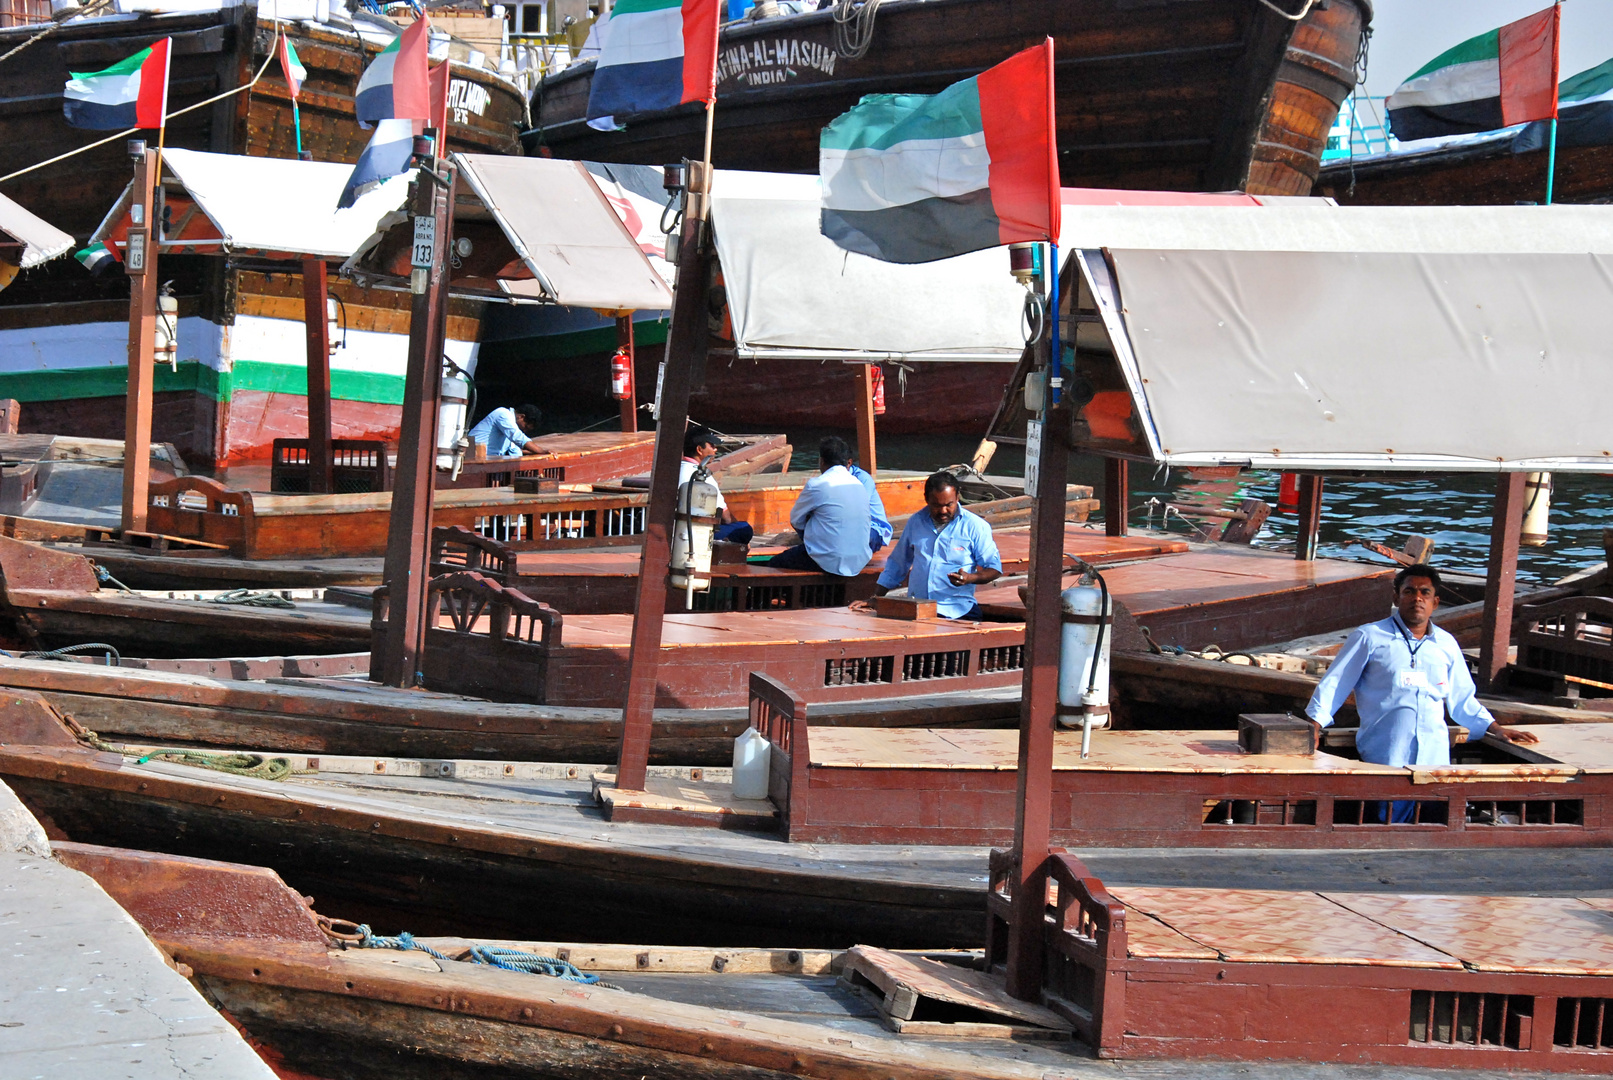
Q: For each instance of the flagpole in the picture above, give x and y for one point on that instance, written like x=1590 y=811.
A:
x=1551 y=161
x=1551 y=149
x=711 y=118
x=296 y=121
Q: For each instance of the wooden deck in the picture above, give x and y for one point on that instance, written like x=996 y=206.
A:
x=1188 y=789
x=587 y=457
x=1234 y=597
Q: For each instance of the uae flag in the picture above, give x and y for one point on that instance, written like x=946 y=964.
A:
x=912 y=178
x=1505 y=77
x=1584 y=113
x=653 y=55
x=291 y=65
x=132 y=93
x=394 y=86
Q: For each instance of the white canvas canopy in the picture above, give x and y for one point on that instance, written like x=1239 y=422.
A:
x=276 y=204
x=1451 y=338
x=792 y=294
x=565 y=231
x=41 y=241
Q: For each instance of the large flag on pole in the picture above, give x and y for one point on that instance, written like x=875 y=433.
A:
x=131 y=93
x=911 y=178
x=394 y=86
x=1507 y=76
x=653 y=55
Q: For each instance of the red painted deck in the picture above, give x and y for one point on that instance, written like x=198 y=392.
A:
x=1235 y=597
x=1184 y=789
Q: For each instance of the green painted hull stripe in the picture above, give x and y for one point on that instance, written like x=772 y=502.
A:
x=578 y=343
x=249 y=375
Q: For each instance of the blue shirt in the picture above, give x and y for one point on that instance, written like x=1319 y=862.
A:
x=1402 y=707
x=879 y=526
x=831 y=514
x=931 y=554
x=499 y=432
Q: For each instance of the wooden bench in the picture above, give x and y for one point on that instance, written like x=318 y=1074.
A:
x=355 y=465
x=1567 y=644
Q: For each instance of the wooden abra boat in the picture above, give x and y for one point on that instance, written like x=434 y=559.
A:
x=438 y=846
x=1179 y=96
x=1166 y=973
x=242 y=384
x=1478 y=172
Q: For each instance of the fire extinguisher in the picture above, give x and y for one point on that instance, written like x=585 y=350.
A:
x=621 y=375
x=879 y=388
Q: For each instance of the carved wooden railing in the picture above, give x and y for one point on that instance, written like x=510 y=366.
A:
x=781 y=715
x=1570 y=639
x=197 y=508
x=455 y=549
x=1084 y=942
x=512 y=616
x=355 y=465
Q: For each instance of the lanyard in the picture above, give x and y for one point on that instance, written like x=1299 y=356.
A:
x=1413 y=649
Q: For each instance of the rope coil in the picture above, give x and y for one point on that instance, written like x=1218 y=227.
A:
x=254 y=765
x=495 y=956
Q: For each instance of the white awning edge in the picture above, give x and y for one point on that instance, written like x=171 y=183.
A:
x=41 y=241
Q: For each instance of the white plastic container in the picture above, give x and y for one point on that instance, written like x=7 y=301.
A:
x=753 y=756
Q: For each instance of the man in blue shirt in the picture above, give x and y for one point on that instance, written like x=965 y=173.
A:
x=507 y=432
x=831 y=514
x=879 y=526
x=943 y=553
x=1405 y=673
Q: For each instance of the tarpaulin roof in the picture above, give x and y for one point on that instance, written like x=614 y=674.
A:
x=566 y=232
x=40 y=240
x=1449 y=338
x=276 y=205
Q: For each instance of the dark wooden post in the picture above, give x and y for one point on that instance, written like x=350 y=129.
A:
x=1116 y=495
x=10 y=416
x=1501 y=578
x=1039 y=700
x=140 y=260
x=866 y=450
x=624 y=340
x=317 y=328
x=406 y=573
x=1310 y=517
x=685 y=338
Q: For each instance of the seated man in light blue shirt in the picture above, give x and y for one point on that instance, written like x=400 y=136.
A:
x=943 y=553
x=831 y=514
x=507 y=432
x=879 y=526
x=1405 y=672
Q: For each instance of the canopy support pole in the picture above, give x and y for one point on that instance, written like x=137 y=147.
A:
x=317 y=327
x=1310 y=517
x=1501 y=579
x=629 y=404
x=1038 y=702
x=685 y=338
x=1116 y=495
x=406 y=573
x=142 y=246
x=866 y=456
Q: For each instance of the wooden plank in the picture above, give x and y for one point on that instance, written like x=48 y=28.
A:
x=906 y=980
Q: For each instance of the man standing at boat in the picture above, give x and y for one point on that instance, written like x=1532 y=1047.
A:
x=700 y=444
x=1405 y=673
x=507 y=432
x=943 y=553
x=831 y=514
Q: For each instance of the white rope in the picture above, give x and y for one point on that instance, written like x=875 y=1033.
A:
x=274 y=50
x=1304 y=11
x=52 y=28
x=854 y=27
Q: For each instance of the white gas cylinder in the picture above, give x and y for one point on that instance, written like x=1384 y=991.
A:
x=1536 y=510
x=753 y=756
x=692 y=532
x=1086 y=631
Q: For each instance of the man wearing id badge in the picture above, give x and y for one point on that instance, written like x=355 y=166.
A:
x=1406 y=674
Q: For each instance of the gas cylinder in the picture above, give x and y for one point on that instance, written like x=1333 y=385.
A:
x=165 y=346
x=693 y=529
x=1536 y=509
x=1087 y=612
x=621 y=375
x=878 y=374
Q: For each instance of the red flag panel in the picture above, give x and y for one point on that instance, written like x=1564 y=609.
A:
x=700 y=50
x=411 y=93
x=1529 y=67
x=1016 y=108
x=151 y=107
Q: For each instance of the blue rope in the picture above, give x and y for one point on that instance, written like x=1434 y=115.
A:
x=489 y=955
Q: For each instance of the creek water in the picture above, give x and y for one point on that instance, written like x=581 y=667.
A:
x=1454 y=509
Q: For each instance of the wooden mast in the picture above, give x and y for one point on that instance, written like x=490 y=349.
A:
x=140 y=260
x=318 y=333
x=686 y=337
x=1039 y=698
x=1501 y=578
x=867 y=456
x=406 y=573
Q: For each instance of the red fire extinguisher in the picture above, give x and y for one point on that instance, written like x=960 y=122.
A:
x=621 y=375
x=1288 y=490
x=879 y=388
